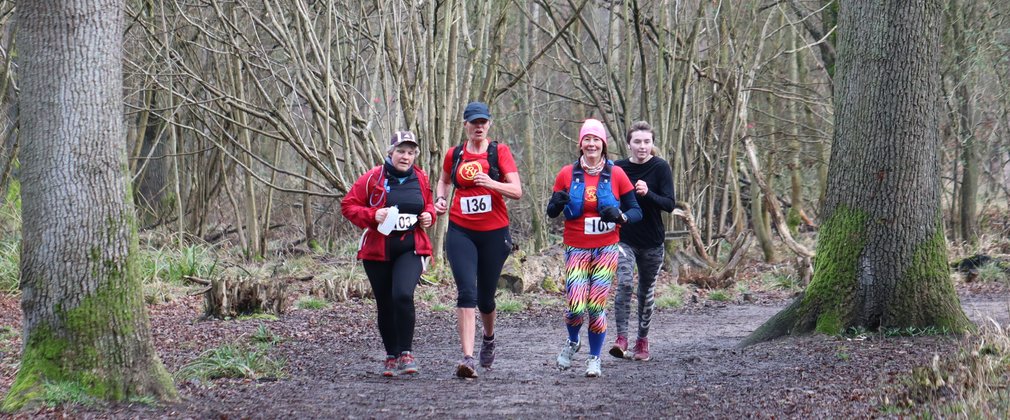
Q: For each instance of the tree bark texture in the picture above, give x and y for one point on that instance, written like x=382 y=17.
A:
x=881 y=255
x=84 y=318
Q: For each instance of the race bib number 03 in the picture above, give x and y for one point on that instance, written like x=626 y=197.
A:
x=596 y=226
x=475 y=205
x=405 y=221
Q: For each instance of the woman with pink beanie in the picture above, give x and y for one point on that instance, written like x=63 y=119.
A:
x=597 y=198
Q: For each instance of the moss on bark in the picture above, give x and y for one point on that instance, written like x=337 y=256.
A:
x=824 y=306
x=923 y=297
x=96 y=344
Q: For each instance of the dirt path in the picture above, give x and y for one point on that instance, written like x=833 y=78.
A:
x=333 y=360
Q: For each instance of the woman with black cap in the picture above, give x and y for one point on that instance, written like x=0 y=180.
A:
x=477 y=241
x=392 y=202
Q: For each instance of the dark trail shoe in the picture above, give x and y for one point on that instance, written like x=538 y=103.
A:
x=467 y=368
x=486 y=353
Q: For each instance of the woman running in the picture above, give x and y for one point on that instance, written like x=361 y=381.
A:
x=392 y=202
x=596 y=198
x=477 y=242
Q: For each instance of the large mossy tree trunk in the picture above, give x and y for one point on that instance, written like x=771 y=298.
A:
x=881 y=254
x=85 y=324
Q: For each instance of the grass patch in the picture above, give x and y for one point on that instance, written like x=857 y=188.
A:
x=59 y=393
x=170 y=265
x=991 y=272
x=232 y=361
x=258 y=317
x=441 y=307
x=915 y=331
x=720 y=295
x=509 y=305
x=779 y=280
x=263 y=335
x=311 y=303
x=672 y=297
x=973 y=383
x=7 y=334
x=549 y=301
x=428 y=295
x=10 y=260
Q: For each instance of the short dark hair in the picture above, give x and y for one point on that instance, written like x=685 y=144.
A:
x=638 y=126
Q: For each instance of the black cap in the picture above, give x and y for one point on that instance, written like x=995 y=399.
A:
x=476 y=111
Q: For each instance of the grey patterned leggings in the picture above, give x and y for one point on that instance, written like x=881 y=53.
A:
x=649 y=261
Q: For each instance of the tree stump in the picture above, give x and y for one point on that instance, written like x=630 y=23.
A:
x=231 y=297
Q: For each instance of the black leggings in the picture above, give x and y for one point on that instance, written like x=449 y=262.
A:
x=476 y=259
x=393 y=284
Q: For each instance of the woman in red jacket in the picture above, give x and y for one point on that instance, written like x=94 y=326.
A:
x=392 y=202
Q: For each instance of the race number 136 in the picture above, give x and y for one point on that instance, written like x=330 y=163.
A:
x=475 y=205
x=596 y=226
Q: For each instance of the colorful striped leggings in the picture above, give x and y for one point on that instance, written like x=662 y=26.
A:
x=589 y=274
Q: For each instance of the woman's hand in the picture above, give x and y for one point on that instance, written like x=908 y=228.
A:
x=482 y=179
x=440 y=205
x=380 y=214
x=641 y=188
x=425 y=219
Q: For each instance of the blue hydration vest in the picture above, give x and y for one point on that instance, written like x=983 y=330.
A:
x=576 y=191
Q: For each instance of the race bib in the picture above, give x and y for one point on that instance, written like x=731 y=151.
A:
x=405 y=221
x=596 y=226
x=475 y=205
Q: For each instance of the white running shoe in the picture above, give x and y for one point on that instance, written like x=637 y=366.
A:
x=565 y=357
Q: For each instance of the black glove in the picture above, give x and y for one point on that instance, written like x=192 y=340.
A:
x=557 y=203
x=611 y=214
x=560 y=198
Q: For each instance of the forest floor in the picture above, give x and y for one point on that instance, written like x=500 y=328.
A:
x=333 y=359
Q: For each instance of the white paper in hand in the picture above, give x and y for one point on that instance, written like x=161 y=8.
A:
x=392 y=215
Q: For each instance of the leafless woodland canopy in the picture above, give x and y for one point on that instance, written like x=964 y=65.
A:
x=247 y=115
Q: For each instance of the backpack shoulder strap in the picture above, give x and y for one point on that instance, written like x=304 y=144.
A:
x=577 y=172
x=492 y=161
x=605 y=174
x=457 y=156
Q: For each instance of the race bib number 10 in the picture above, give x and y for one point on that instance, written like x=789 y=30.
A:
x=596 y=226
x=475 y=205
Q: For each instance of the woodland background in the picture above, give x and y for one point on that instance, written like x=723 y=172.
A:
x=249 y=119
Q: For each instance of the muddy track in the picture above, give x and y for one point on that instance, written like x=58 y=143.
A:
x=697 y=371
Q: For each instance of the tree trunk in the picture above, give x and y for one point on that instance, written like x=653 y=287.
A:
x=881 y=255
x=84 y=318
x=969 y=144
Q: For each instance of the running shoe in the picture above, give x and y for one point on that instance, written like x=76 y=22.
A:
x=389 y=366
x=467 y=368
x=406 y=364
x=565 y=357
x=620 y=348
x=641 y=350
x=486 y=353
x=593 y=367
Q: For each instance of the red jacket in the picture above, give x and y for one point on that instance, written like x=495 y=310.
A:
x=367 y=196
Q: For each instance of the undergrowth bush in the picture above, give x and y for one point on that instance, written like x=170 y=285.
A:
x=970 y=384
x=235 y=360
x=509 y=304
x=672 y=297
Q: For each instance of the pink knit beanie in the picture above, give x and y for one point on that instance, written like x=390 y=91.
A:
x=594 y=127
